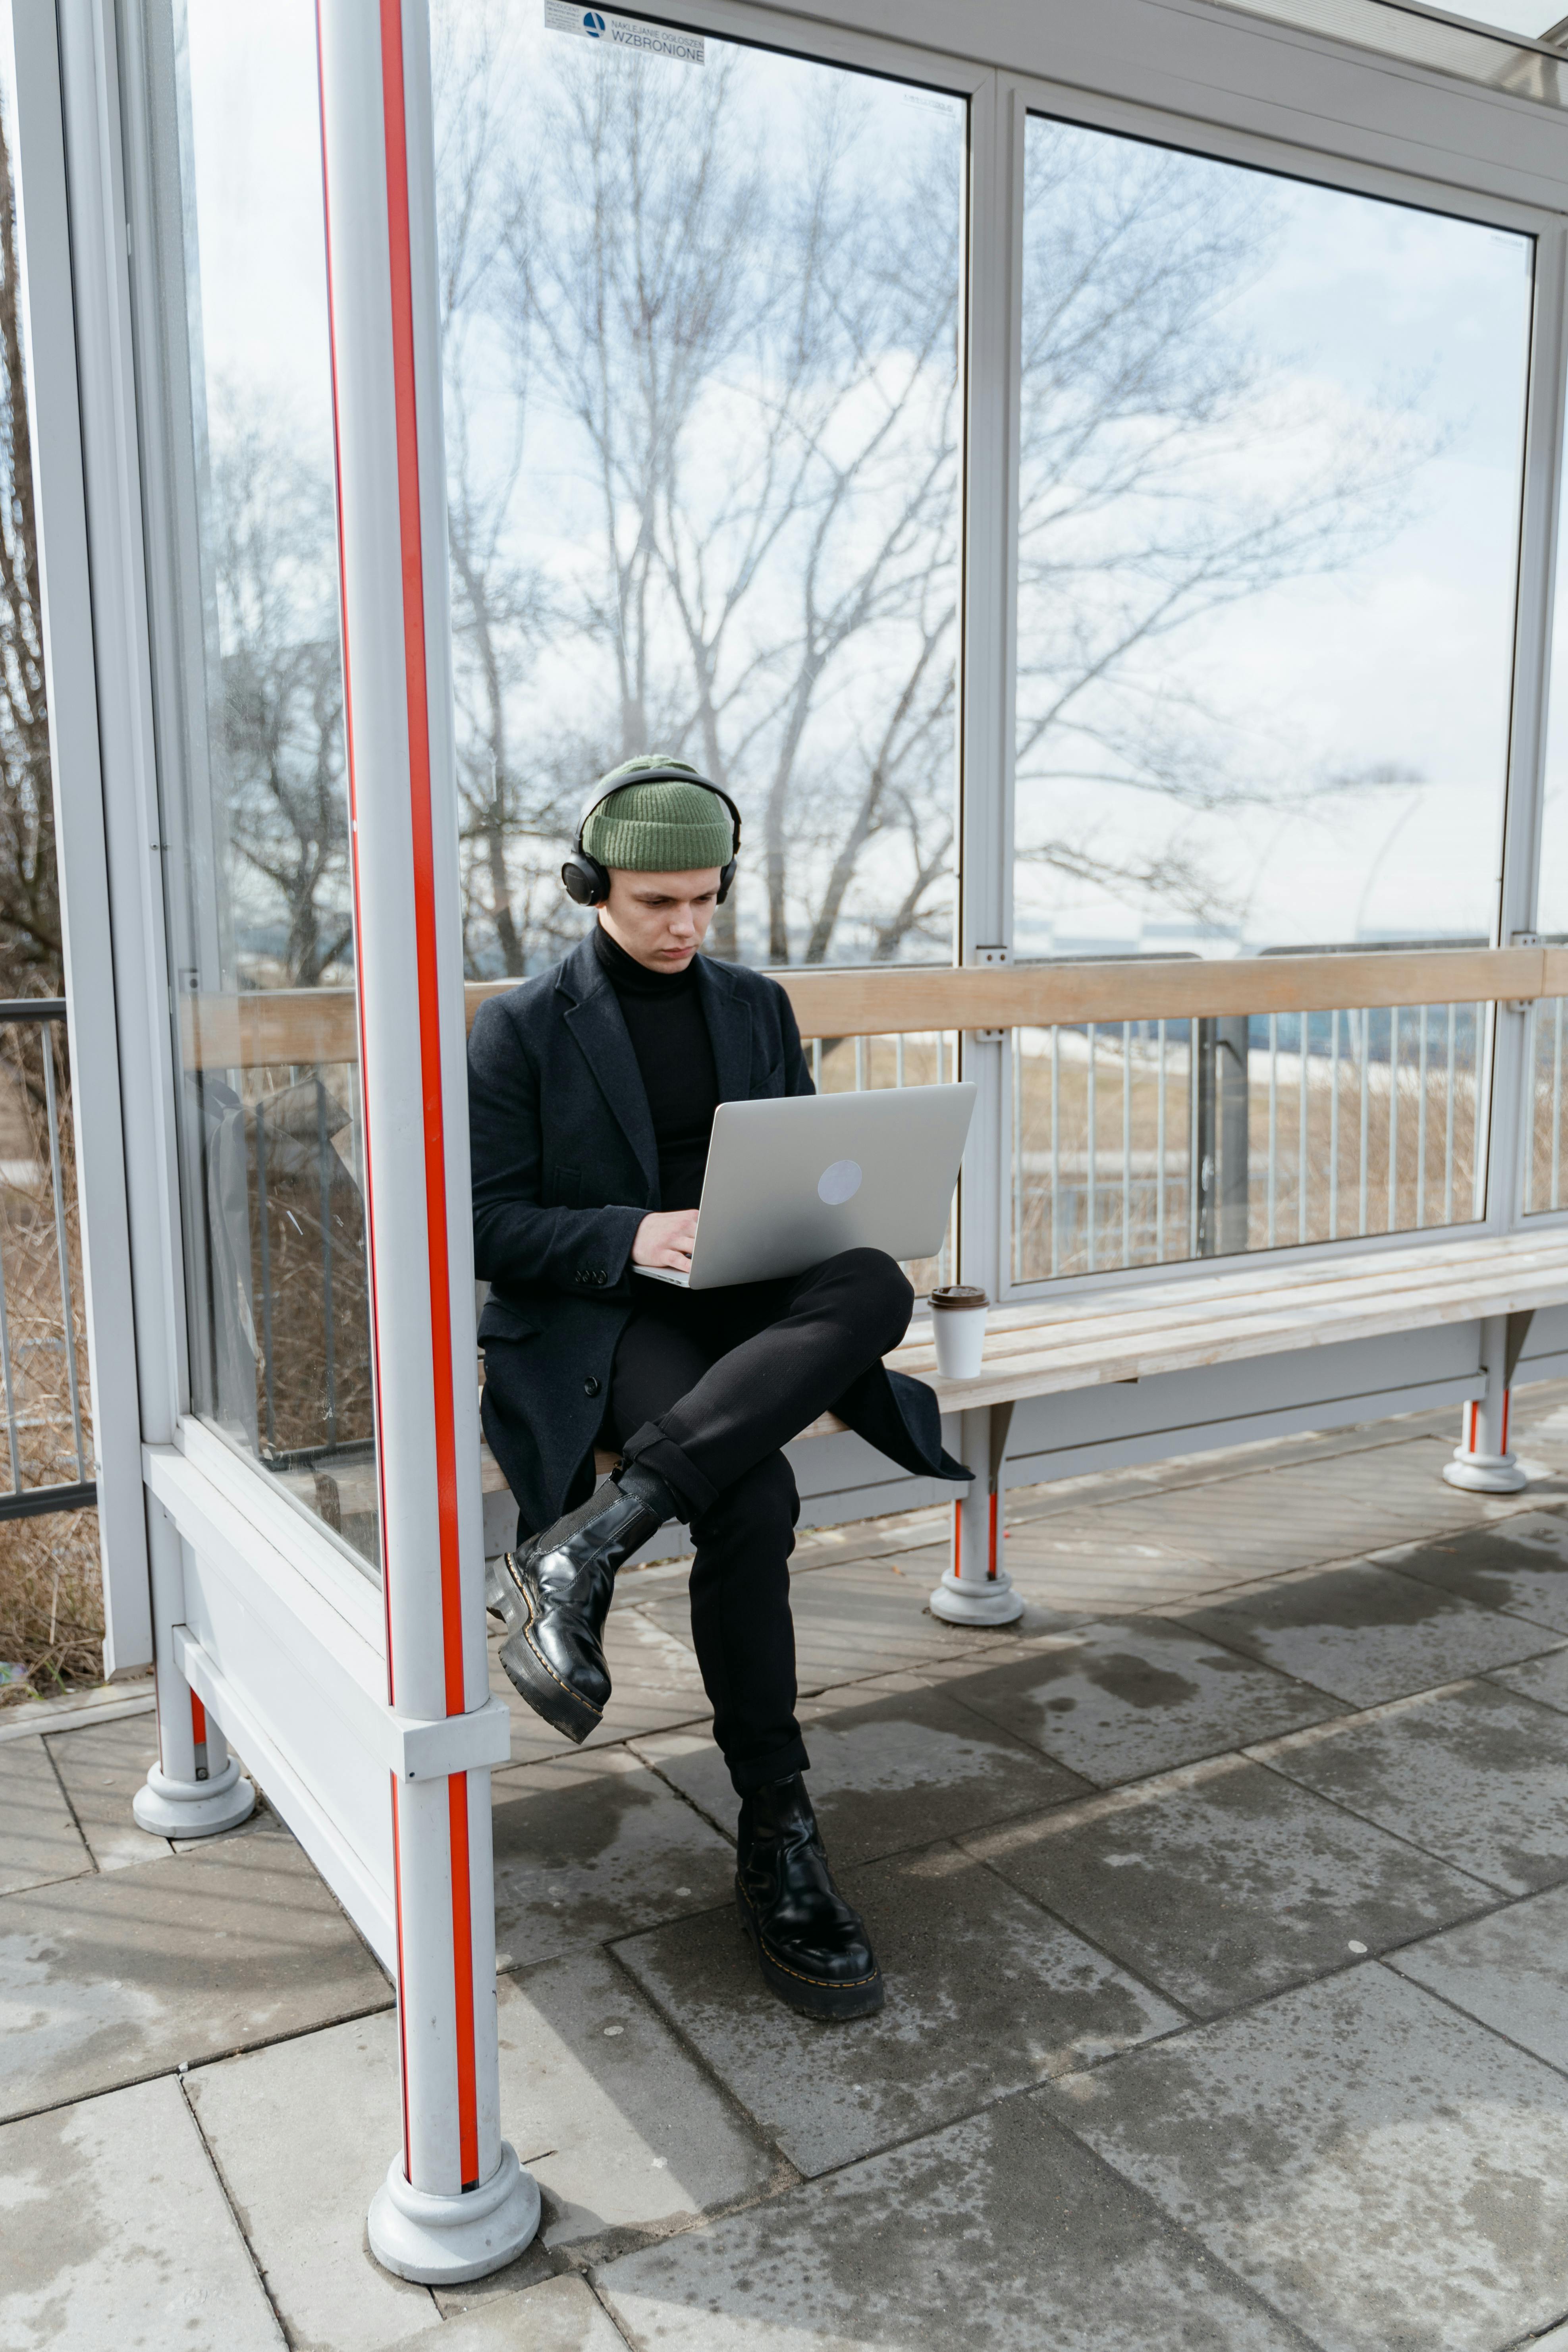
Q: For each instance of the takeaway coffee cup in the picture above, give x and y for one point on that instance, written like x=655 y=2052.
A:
x=958 y=1320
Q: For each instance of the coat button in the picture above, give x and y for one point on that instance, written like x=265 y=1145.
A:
x=590 y=1386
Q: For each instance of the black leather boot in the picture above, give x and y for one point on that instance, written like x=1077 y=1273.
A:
x=813 y=1948
x=555 y=1595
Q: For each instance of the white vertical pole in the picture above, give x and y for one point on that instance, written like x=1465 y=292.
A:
x=455 y=2204
x=56 y=418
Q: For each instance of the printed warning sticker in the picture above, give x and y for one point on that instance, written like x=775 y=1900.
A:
x=623 y=32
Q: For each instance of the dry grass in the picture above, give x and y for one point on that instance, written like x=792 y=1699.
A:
x=51 y=1603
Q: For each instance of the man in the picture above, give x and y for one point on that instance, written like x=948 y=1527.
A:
x=591 y=1092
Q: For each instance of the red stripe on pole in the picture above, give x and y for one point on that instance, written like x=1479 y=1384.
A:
x=423 y=830
x=463 y=1982
x=421 y=814
x=353 y=860
x=199 y=1721
x=401 y=2004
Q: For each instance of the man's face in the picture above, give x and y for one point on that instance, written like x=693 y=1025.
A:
x=660 y=920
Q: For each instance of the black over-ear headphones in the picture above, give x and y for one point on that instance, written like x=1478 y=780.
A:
x=588 y=882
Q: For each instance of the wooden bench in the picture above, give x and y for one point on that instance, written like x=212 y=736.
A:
x=1137 y=1331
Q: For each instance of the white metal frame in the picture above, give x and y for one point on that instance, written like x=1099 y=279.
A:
x=260 y=1626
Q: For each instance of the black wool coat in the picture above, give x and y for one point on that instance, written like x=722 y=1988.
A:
x=564 y=1170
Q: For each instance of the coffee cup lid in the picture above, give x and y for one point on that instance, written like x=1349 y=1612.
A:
x=959 y=1293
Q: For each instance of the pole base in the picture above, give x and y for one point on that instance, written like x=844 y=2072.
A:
x=442 y=2240
x=193 y=1809
x=1485 y=1473
x=977 y=1601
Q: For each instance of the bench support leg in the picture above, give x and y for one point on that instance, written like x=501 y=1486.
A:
x=195 y=1789
x=1482 y=1462
x=977 y=1590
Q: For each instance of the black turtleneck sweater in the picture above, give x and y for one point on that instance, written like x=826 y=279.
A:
x=663 y=1013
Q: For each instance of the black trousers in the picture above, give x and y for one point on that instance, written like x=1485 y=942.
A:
x=706 y=1388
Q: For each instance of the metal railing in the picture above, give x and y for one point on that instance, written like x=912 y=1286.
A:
x=45 y=1410
x=1150 y=1142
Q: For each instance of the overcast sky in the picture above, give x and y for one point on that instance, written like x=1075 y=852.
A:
x=1401 y=658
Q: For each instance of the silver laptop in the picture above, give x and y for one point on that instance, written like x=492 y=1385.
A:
x=794 y=1181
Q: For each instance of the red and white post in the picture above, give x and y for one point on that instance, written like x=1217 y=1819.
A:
x=1481 y=1462
x=197 y=1788
x=976 y=1589
x=455 y=2203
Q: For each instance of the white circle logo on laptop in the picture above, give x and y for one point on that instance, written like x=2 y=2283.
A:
x=839 y=1184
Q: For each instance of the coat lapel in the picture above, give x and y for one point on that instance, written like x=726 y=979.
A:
x=595 y=1025
x=728 y=1019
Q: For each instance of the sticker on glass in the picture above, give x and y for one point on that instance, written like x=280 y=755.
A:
x=623 y=32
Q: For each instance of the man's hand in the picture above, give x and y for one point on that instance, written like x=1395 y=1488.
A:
x=665 y=1238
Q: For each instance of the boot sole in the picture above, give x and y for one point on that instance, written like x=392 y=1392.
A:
x=812 y=1996
x=546 y=1694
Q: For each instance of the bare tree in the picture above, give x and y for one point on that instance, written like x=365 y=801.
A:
x=771 y=447
x=1144 y=507
x=31 y=940
x=275 y=581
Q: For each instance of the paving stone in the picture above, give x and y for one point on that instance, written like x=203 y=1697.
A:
x=1509 y=1970
x=38 y=1839
x=986 y=1994
x=619 y=2125
x=1256 y=1521
x=302 y=2133
x=894 y=1763
x=116 y=2234
x=1073 y=1567
x=588 y=1847
x=1363 y=1633
x=1387 y=2173
x=1474 y=1774
x=102 y=1766
x=559 y=2315
x=1519 y=1564
x=1544 y=1678
x=1000 y=2234
x=623 y=2128
x=1222 y=1883
x=1114 y=1702
x=654 y=1681
x=118 y=1977
x=861 y=1619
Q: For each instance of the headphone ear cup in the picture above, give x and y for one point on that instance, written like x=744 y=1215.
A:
x=584 y=880
x=726 y=876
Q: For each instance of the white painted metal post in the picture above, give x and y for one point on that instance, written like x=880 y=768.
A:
x=55 y=419
x=195 y=1788
x=125 y=969
x=975 y=1590
x=1482 y=1462
x=456 y=2203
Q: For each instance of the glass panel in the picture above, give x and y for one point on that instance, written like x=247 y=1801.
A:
x=1272 y=454
x=1271 y=462
x=252 y=766
x=702 y=403
x=1144 y=1142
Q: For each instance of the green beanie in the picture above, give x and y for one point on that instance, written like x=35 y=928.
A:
x=669 y=827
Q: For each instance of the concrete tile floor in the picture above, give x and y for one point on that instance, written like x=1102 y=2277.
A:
x=1222 y=1906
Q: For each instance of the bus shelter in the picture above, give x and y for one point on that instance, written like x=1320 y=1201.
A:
x=1152 y=466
